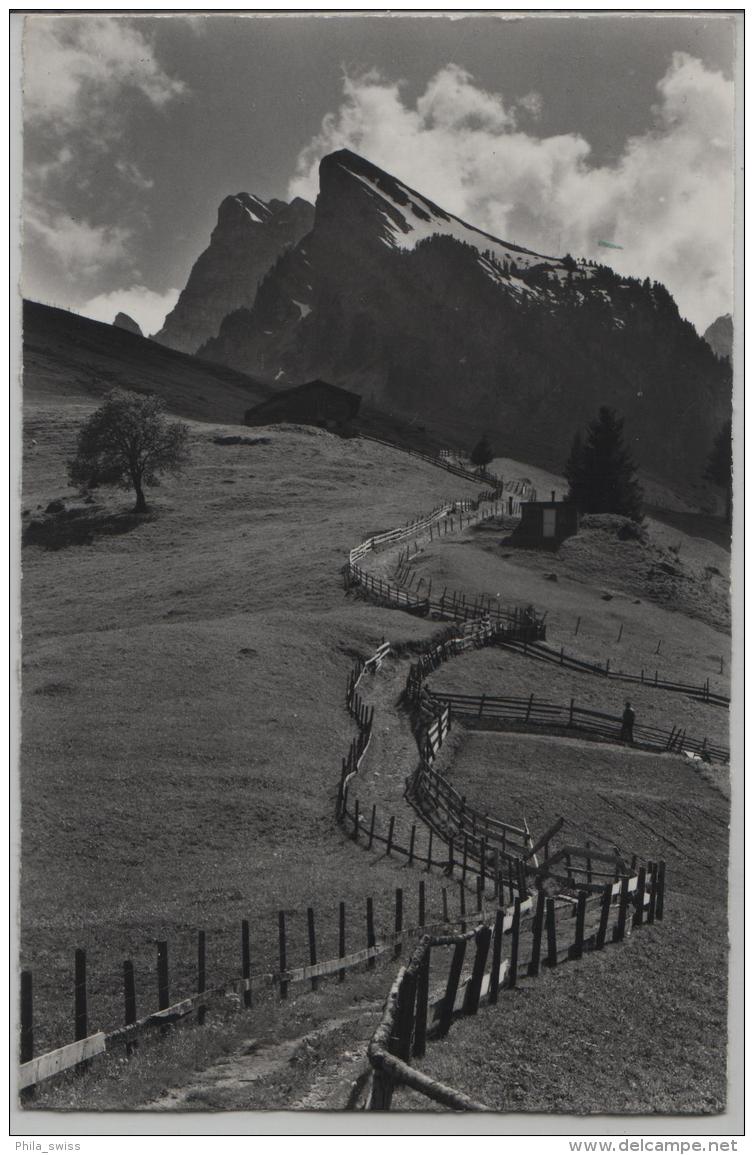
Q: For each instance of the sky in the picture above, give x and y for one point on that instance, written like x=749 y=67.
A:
x=556 y=133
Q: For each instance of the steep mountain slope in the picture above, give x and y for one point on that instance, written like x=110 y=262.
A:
x=68 y=357
x=427 y=316
x=249 y=236
x=719 y=336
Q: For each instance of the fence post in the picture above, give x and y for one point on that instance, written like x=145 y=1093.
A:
x=479 y=893
x=390 y=833
x=607 y=898
x=660 y=903
x=619 y=931
x=652 y=893
x=405 y=1015
x=341 y=938
x=454 y=975
x=451 y=864
x=536 y=945
x=570 y=713
x=201 y=976
x=245 y=963
x=422 y=903
x=398 y=919
x=370 y=930
x=129 y=999
x=445 y=904
x=522 y=888
x=515 y=936
x=371 y=827
x=577 y=950
x=422 y=1003
x=283 y=954
x=411 y=846
x=474 y=987
x=429 y=852
x=497 y=951
x=27 y=1018
x=80 y=1010
x=641 y=885
x=552 y=941
x=312 y=943
x=163 y=979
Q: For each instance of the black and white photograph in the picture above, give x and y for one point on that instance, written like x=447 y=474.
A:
x=378 y=751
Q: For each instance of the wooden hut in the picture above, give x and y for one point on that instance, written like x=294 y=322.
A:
x=545 y=524
x=314 y=403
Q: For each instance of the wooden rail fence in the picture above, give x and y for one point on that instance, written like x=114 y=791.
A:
x=435 y=911
x=518 y=485
x=532 y=712
x=540 y=650
x=413 y=1015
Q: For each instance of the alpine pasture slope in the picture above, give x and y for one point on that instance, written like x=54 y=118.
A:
x=163 y=788
x=163 y=785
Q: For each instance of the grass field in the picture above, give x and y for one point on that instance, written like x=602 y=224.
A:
x=183 y=718
x=641 y=1026
x=184 y=723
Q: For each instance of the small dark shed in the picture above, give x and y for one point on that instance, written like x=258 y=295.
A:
x=315 y=403
x=547 y=523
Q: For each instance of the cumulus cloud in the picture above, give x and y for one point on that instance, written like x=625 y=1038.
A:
x=145 y=306
x=82 y=248
x=83 y=76
x=75 y=68
x=667 y=200
x=133 y=174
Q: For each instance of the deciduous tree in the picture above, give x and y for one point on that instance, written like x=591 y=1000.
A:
x=128 y=442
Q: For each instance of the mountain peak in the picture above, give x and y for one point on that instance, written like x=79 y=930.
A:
x=249 y=236
x=123 y=321
x=400 y=217
x=719 y=336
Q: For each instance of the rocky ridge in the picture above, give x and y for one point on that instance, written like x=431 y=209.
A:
x=249 y=237
x=426 y=316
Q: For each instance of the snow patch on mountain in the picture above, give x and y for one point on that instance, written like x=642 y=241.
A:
x=406 y=229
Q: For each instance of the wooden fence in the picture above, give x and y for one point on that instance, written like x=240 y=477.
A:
x=413 y=1015
x=492 y=848
x=531 y=712
x=518 y=485
x=541 y=651
x=434 y=910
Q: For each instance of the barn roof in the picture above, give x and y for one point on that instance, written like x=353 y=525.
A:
x=296 y=391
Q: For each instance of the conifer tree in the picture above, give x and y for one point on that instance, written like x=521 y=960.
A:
x=719 y=469
x=482 y=453
x=600 y=471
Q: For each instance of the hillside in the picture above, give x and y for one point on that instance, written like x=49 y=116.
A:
x=67 y=356
x=184 y=727
x=393 y=297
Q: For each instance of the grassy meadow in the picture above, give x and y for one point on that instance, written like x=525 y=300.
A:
x=183 y=712
x=183 y=724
